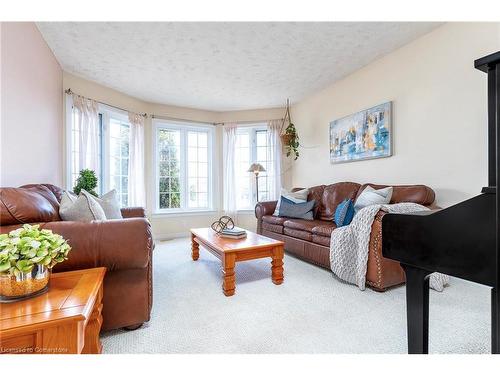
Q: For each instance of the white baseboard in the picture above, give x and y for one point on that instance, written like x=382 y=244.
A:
x=170 y=236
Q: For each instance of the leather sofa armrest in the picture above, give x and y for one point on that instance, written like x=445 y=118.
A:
x=128 y=212
x=265 y=208
x=115 y=244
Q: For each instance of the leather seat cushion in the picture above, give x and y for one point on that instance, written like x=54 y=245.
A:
x=325 y=229
x=321 y=240
x=301 y=224
x=273 y=228
x=275 y=220
x=301 y=234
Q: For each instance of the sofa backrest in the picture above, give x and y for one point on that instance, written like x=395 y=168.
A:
x=333 y=195
x=32 y=204
x=328 y=197
x=420 y=194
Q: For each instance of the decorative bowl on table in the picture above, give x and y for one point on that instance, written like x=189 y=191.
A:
x=27 y=256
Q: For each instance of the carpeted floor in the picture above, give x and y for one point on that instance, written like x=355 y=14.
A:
x=311 y=312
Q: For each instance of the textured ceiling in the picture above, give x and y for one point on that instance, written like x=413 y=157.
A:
x=222 y=66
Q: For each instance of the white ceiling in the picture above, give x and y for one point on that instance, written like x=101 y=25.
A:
x=223 y=66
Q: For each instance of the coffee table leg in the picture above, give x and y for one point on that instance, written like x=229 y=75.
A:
x=277 y=265
x=195 y=248
x=228 y=275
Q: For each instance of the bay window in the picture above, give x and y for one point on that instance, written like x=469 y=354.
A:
x=251 y=147
x=183 y=163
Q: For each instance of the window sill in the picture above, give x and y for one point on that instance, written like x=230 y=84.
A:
x=183 y=213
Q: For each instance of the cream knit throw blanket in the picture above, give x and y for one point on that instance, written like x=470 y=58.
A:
x=349 y=245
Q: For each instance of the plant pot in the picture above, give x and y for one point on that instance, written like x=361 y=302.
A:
x=25 y=285
x=286 y=138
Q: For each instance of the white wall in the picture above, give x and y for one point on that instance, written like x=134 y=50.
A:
x=31 y=108
x=439 y=115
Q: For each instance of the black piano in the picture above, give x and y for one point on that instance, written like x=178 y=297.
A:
x=461 y=240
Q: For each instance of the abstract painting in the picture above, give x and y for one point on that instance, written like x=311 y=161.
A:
x=364 y=135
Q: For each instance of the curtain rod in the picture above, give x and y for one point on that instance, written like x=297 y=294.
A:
x=153 y=116
x=69 y=92
x=247 y=121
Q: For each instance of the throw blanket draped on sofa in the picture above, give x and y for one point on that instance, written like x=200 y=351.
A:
x=349 y=245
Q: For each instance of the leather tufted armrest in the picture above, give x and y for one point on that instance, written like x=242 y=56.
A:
x=128 y=212
x=115 y=244
x=265 y=208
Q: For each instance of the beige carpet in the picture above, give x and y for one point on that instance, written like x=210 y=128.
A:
x=311 y=312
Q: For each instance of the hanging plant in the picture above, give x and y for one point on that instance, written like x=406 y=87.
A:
x=289 y=135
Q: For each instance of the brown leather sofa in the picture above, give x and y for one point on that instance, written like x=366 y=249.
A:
x=123 y=246
x=310 y=239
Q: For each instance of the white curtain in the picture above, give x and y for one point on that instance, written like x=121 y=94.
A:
x=229 y=168
x=274 y=159
x=136 y=182
x=86 y=123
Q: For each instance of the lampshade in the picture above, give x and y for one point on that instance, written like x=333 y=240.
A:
x=256 y=168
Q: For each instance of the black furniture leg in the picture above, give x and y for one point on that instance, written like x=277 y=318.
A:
x=495 y=322
x=417 y=309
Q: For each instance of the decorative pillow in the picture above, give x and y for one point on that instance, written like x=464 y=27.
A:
x=81 y=208
x=110 y=205
x=370 y=196
x=344 y=213
x=297 y=210
x=299 y=196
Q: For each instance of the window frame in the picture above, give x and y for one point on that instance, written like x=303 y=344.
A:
x=184 y=128
x=252 y=130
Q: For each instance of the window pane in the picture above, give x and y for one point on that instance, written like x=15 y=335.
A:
x=169 y=168
x=192 y=154
x=202 y=139
x=203 y=155
x=192 y=139
x=261 y=138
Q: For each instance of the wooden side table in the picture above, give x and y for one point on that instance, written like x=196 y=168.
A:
x=66 y=319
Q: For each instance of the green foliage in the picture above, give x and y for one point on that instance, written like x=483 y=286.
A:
x=292 y=141
x=87 y=180
x=22 y=248
x=170 y=185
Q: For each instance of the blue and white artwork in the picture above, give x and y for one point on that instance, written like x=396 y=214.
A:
x=363 y=135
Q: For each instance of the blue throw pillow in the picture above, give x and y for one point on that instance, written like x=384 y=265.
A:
x=344 y=213
x=289 y=208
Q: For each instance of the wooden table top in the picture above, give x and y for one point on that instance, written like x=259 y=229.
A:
x=70 y=297
x=252 y=240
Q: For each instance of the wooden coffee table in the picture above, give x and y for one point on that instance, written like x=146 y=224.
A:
x=230 y=251
x=66 y=319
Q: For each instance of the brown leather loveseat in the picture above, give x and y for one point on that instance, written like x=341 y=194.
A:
x=310 y=239
x=123 y=246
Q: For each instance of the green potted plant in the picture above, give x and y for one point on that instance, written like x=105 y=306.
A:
x=27 y=255
x=289 y=136
x=87 y=180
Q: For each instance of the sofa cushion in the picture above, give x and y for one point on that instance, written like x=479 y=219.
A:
x=303 y=210
x=301 y=234
x=333 y=195
x=301 y=224
x=275 y=220
x=321 y=240
x=420 y=194
x=80 y=208
x=273 y=228
x=34 y=204
x=371 y=196
x=325 y=229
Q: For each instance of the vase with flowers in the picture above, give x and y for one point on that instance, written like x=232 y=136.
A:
x=27 y=256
